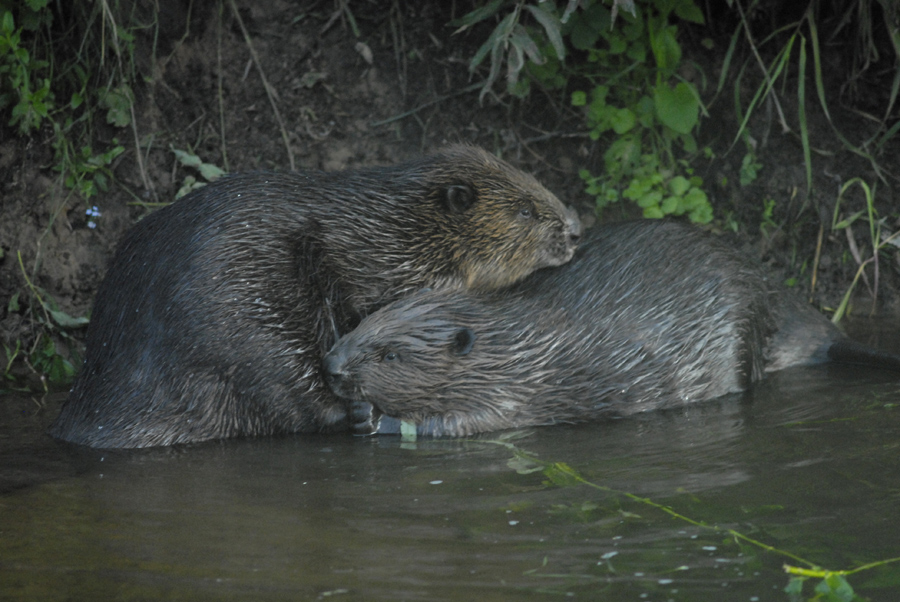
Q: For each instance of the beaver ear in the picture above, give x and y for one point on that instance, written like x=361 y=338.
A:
x=458 y=197
x=463 y=341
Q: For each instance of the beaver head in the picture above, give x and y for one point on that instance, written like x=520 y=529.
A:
x=421 y=357
x=460 y=217
x=496 y=224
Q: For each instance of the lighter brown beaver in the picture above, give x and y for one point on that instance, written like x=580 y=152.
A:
x=216 y=310
x=648 y=315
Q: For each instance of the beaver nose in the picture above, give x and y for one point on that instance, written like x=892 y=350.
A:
x=333 y=367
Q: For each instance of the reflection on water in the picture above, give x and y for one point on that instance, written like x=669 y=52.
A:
x=809 y=463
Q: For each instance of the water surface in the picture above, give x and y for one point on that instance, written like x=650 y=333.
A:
x=808 y=463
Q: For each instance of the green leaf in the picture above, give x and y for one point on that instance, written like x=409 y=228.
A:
x=523 y=465
x=65 y=320
x=679 y=185
x=211 y=172
x=551 y=25
x=522 y=41
x=622 y=120
x=579 y=98
x=665 y=47
x=494 y=42
x=187 y=159
x=835 y=588
x=653 y=212
x=670 y=205
x=37 y=5
x=677 y=108
x=687 y=10
x=477 y=15
x=794 y=586
x=118 y=103
x=582 y=36
x=9 y=24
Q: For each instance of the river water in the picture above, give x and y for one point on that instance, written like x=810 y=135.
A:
x=808 y=463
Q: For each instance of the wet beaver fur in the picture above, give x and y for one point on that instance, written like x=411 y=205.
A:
x=649 y=314
x=216 y=310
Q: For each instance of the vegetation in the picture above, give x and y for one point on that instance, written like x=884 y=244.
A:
x=830 y=585
x=68 y=75
x=56 y=82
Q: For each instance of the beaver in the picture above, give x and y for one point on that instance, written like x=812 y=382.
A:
x=649 y=315
x=216 y=311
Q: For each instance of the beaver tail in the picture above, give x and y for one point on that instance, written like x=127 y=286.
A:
x=850 y=352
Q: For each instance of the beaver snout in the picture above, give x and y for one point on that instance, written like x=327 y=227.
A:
x=334 y=367
x=573 y=223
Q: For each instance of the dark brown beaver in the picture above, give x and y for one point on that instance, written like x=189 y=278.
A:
x=216 y=310
x=648 y=315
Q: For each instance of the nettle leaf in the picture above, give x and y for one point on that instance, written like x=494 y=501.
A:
x=677 y=108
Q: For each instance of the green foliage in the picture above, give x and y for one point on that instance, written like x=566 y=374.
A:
x=58 y=81
x=640 y=105
x=208 y=172
x=878 y=239
x=636 y=101
x=23 y=84
x=52 y=325
x=33 y=76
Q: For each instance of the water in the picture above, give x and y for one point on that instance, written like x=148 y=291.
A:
x=809 y=463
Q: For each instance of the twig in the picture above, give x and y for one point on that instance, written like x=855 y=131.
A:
x=432 y=102
x=220 y=97
x=785 y=128
x=148 y=185
x=270 y=91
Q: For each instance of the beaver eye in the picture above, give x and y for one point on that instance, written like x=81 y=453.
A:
x=390 y=356
x=526 y=209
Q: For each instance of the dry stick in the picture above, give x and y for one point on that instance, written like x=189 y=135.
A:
x=148 y=185
x=221 y=99
x=434 y=101
x=270 y=92
x=815 y=269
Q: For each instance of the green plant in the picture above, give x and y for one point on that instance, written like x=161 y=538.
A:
x=23 y=84
x=877 y=238
x=207 y=171
x=833 y=585
x=636 y=99
x=634 y=103
x=33 y=75
x=52 y=325
x=59 y=77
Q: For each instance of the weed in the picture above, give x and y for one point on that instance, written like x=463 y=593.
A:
x=878 y=239
x=833 y=584
x=207 y=171
x=636 y=99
